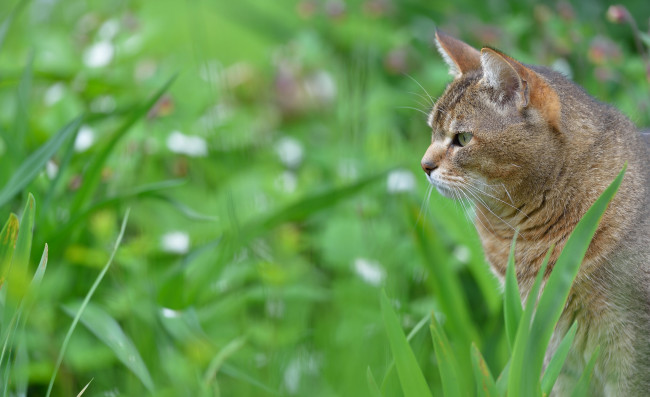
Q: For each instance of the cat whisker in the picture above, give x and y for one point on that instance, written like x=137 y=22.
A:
x=427 y=105
x=498 y=199
x=416 y=109
x=424 y=208
x=478 y=218
x=486 y=206
x=423 y=89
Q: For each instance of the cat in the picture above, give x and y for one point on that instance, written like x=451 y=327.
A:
x=533 y=151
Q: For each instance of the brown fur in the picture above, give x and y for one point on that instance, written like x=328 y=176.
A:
x=542 y=152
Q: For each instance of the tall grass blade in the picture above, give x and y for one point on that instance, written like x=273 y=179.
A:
x=512 y=299
x=557 y=288
x=34 y=164
x=582 y=387
x=4 y=26
x=89 y=295
x=8 y=237
x=447 y=287
x=17 y=141
x=216 y=363
x=420 y=325
x=408 y=370
x=85 y=387
x=106 y=329
x=557 y=361
x=25 y=233
x=372 y=384
x=450 y=371
x=517 y=366
x=92 y=175
x=485 y=385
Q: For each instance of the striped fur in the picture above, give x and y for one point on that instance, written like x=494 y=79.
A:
x=542 y=152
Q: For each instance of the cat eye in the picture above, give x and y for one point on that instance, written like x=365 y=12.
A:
x=462 y=138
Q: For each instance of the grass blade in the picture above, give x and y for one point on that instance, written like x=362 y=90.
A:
x=84 y=304
x=557 y=361
x=218 y=360
x=424 y=321
x=106 y=329
x=84 y=389
x=557 y=288
x=485 y=385
x=17 y=141
x=514 y=376
x=4 y=27
x=30 y=168
x=450 y=372
x=446 y=284
x=8 y=237
x=512 y=299
x=582 y=387
x=92 y=175
x=372 y=384
x=410 y=375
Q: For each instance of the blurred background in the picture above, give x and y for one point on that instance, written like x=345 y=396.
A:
x=269 y=152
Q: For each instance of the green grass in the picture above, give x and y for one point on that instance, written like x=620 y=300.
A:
x=278 y=291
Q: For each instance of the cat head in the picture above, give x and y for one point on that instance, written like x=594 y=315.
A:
x=496 y=124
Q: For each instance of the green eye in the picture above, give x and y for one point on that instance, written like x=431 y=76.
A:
x=463 y=138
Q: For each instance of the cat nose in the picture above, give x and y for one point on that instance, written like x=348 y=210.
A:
x=428 y=166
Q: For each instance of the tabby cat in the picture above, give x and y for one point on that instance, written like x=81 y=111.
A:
x=533 y=151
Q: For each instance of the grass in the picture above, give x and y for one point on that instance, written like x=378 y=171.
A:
x=287 y=227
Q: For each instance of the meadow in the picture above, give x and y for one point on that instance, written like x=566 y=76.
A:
x=221 y=193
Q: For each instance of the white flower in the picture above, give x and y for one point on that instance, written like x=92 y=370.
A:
x=193 y=146
x=85 y=139
x=290 y=151
x=54 y=94
x=51 y=169
x=400 y=181
x=287 y=182
x=99 y=54
x=176 y=242
x=321 y=86
x=109 y=29
x=369 y=271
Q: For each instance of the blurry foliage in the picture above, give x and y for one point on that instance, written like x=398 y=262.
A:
x=263 y=221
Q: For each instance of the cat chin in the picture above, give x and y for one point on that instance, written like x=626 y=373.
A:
x=445 y=192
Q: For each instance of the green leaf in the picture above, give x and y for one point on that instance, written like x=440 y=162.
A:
x=502 y=380
x=420 y=325
x=517 y=367
x=4 y=26
x=89 y=295
x=553 y=299
x=582 y=387
x=447 y=287
x=25 y=234
x=216 y=363
x=8 y=237
x=450 y=371
x=30 y=168
x=92 y=175
x=106 y=329
x=485 y=385
x=408 y=370
x=557 y=361
x=512 y=299
x=16 y=142
x=372 y=384
x=645 y=37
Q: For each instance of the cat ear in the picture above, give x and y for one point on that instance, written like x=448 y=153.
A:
x=513 y=79
x=503 y=76
x=460 y=57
